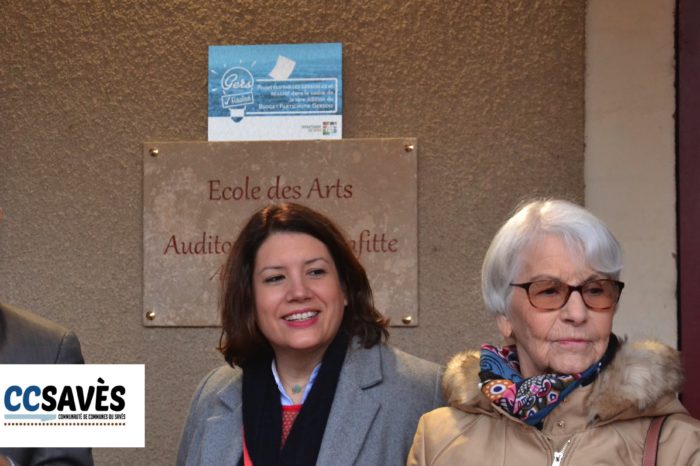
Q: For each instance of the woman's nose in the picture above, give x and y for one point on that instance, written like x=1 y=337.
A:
x=298 y=289
x=575 y=310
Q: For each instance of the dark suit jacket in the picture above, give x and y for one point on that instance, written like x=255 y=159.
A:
x=381 y=394
x=26 y=338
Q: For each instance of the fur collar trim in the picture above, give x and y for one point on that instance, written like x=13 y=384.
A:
x=641 y=374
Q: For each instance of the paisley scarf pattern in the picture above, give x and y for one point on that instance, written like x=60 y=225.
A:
x=530 y=399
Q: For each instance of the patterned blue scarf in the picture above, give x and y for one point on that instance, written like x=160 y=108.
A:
x=531 y=399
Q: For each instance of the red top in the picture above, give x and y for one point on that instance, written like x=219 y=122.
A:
x=289 y=415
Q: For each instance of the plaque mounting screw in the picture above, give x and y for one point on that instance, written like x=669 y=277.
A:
x=150 y=315
x=407 y=320
x=154 y=152
x=408 y=147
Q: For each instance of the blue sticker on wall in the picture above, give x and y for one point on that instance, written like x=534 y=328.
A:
x=275 y=92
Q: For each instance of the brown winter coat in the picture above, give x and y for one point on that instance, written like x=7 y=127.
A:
x=604 y=423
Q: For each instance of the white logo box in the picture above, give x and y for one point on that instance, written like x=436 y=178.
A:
x=72 y=405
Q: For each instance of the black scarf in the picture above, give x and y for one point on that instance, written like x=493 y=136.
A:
x=262 y=411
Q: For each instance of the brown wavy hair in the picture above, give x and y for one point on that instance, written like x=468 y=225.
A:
x=241 y=338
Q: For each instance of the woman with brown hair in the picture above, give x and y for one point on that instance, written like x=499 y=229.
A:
x=310 y=379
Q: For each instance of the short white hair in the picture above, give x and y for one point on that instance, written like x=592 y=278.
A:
x=577 y=227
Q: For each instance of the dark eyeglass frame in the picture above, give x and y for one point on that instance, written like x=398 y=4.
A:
x=570 y=289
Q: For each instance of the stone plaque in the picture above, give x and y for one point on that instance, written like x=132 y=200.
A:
x=198 y=195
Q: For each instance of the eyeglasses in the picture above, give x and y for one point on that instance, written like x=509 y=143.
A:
x=550 y=295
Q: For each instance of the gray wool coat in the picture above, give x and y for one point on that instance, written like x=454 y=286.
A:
x=381 y=394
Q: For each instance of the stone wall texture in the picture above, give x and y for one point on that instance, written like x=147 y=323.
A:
x=492 y=90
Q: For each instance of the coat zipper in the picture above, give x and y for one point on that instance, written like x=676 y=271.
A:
x=559 y=455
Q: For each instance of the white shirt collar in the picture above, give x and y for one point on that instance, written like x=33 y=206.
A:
x=284 y=398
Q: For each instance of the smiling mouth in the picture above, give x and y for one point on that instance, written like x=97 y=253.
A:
x=301 y=316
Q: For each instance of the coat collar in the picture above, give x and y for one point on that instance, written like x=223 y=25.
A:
x=222 y=437
x=643 y=378
x=352 y=414
x=231 y=394
x=354 y=407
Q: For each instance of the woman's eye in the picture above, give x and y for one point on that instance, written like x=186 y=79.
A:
x=548 y=291
x=317 y=272
x=273 y=279
x=546 y=288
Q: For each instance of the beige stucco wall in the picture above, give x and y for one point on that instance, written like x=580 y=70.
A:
x=493 y=90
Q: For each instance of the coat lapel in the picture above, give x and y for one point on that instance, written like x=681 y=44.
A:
x=354 y=408
x=223 y=437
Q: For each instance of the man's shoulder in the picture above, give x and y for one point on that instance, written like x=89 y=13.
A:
x=23 y=320
x=28 y=338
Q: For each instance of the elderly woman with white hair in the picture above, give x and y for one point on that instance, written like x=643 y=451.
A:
x=563 y=390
